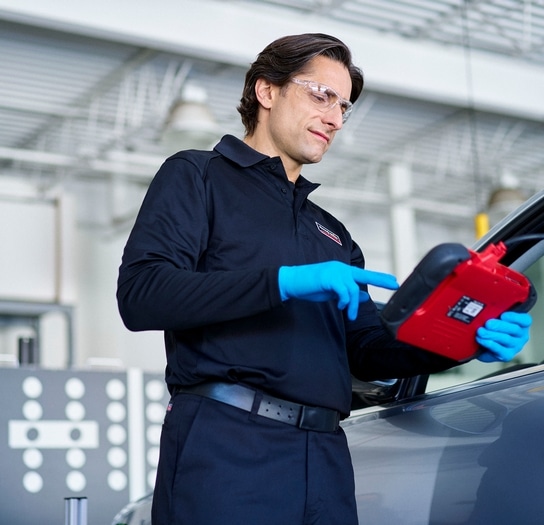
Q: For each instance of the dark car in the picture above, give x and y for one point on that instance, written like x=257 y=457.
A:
x=459 y=447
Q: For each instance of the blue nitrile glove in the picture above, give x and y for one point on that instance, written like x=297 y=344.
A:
x=503 y=338
x=331 y=280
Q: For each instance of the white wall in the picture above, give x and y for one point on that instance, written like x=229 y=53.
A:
x=36 y=268
x=100 y=331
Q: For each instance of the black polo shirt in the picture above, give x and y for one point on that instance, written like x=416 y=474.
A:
x=201 y=264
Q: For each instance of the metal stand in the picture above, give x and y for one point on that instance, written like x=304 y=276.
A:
x=75 y=511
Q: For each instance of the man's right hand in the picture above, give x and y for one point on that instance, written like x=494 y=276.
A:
x=331 y=280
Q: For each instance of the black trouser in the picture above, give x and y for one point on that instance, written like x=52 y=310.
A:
x=220 y=465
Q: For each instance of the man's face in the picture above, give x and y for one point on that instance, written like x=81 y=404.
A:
x=299 y=129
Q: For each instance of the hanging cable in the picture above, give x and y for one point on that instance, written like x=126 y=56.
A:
x=481 y=219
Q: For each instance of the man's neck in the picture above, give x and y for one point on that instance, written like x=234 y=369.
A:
x=292 y=169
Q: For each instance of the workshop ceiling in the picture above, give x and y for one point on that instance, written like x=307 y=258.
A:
x=82 y=110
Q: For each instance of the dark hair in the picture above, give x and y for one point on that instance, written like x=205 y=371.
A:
x=287 y=56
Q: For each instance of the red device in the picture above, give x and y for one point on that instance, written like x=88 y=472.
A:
x=450 y=294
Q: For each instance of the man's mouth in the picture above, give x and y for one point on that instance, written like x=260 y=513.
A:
x=321 y=135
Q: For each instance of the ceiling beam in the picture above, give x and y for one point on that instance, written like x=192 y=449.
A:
x=135 y=166
x=139 y=168
x=233 y=33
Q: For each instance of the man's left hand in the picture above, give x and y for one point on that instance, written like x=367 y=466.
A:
x=503 y=338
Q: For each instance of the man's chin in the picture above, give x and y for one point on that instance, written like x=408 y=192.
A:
x=314 y=158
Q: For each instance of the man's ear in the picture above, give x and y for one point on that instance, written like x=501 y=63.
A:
x=264 y=92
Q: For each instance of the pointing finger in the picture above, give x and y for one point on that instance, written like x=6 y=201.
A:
x=383 y=280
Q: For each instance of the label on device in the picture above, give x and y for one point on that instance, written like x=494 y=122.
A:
x=466 y=309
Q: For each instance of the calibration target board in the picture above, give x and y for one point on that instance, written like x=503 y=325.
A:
x=77 y=434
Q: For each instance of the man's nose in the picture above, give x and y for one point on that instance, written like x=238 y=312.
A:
x=335 y=117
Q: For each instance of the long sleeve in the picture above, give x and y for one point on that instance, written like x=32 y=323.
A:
x=163 y=284
x=375 y=354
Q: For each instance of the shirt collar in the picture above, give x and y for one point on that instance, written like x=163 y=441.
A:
x=245 y=156
x=239 y=152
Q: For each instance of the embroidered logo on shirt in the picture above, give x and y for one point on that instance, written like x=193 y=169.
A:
x=328 y=233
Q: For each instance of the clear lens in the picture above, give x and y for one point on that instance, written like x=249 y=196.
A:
x=325 y=97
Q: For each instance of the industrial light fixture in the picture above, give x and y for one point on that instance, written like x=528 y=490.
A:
x=190 y=123
x=505 y=198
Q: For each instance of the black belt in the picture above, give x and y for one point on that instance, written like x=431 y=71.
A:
x=308 y=418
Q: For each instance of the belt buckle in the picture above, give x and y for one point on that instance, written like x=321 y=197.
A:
x=318 y=419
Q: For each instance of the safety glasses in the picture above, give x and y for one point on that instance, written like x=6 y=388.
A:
x=324 y=97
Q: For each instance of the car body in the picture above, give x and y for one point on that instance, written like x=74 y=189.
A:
x=460 y=447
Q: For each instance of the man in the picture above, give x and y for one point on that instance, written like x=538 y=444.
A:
x=262 y=296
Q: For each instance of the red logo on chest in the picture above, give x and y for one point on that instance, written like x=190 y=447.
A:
x=328 y=233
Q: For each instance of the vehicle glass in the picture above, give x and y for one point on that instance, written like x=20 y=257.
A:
x=532 y=354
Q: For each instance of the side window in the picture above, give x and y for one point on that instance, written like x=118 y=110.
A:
x=532 y=354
